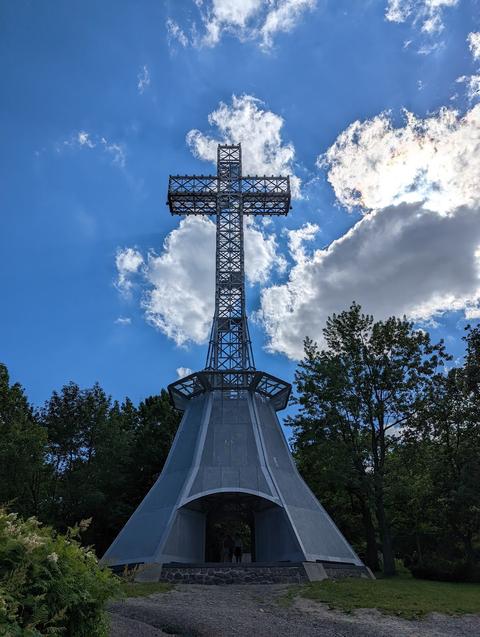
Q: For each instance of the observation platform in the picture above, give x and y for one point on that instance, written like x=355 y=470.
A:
x=198 y=383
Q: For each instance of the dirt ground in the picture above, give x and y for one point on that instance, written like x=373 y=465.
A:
x=256 y=611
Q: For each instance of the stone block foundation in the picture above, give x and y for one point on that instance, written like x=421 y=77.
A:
x=248 y=573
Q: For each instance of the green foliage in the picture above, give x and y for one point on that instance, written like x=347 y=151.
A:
x=372 y=379
x=400 y=596
x=81 y=456
x=22 y=450
x=103 y=457
x=143 y=589
x=434 y=566
x=388 y=441
x=156 y=426
x=49 y=584
x=439 y=459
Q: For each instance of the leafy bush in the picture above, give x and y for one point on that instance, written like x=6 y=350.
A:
x=446 y=570
x=49 y=584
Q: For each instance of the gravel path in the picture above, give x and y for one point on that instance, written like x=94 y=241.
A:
x=254 y=611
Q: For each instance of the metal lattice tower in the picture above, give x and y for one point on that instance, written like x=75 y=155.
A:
x=229 y=195
x=230 y=346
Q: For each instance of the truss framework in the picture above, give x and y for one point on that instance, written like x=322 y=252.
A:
x=198 y=195
x=229 y=195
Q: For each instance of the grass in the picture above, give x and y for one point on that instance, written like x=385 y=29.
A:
x=143 y=589
x=402 y=596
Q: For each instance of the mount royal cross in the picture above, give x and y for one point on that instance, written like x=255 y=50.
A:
x=230 y=462
x=229 y=195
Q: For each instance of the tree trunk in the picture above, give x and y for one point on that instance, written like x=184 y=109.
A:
x=371 y=555
x=419 y=548
x=469 y=550
x=385 y=536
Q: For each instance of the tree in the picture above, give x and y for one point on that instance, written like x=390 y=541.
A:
x=104 y=457
x=324 y=461
x=472 y=360
x=155 y=430
x=22 y=449
x=76 y=421
x=371 y=380
x=450 y=429
x=412 y=502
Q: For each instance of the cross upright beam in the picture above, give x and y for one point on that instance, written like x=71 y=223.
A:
x=230 y=347
x=229 y=195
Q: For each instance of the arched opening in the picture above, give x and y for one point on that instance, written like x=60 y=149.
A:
x=230 y=520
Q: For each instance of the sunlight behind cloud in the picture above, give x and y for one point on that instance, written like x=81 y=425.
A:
x=372 y=164
x=416 y=249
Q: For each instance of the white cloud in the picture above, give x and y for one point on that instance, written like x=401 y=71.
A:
x=123 y=320
x=397 y=10
x=472 y=312
x=433 y=25
x=261 y=255
x=175 y=33
x=283 y=17
x=246 y=121
x=472 y=84
x=427 y=13
x=473 y=40
x=179 y=300
x=128 y=262
x=180 y=282
x=395 y=261
x=143 y=79
x=430 y=47
x=116 y=150
x=297 y=238
x=417 y=252
x=228 y=15
x=83 y=139
x=183 y=371
x=435 y=160
x=257 y=20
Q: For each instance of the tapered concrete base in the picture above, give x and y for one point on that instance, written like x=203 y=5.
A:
x=230 y=457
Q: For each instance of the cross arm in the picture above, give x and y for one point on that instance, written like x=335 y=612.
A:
x=195 y=194
x=266 y=195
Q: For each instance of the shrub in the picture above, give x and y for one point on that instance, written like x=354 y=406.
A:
x=446 y=570
x=49 y=584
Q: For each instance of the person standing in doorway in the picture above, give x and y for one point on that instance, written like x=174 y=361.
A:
x=228 y=545
x=238 y=549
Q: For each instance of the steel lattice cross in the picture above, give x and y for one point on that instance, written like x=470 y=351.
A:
x=230 y=195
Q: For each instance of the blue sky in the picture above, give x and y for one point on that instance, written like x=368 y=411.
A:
x=99 y=282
